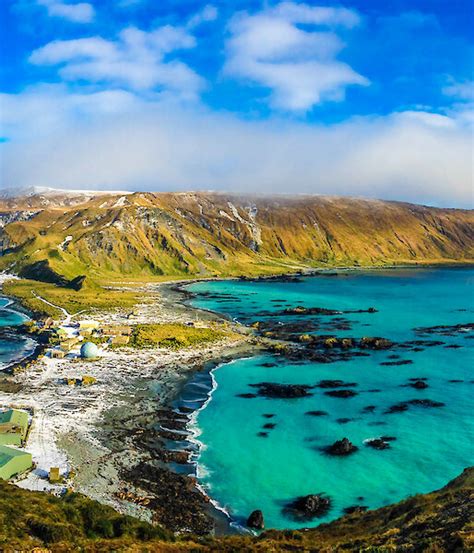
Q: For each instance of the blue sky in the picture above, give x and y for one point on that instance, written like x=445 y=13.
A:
x=363 y=97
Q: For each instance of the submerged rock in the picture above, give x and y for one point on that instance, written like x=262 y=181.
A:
x=397 y=408
x=418 y=384
x=404 y=405
x=355 y=509
x=377 y=443
x=375 y=343
x=316 y=413
x=341 y=393
x=284 y=391
x=426 y=403
x=309 y=506
x=341 y=448
x=335 y=384
x=256 y=520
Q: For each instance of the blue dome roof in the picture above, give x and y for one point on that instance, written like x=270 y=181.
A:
x=89 y=351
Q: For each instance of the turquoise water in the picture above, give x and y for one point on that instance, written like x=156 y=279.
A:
x=243 y=471
x=12 y=346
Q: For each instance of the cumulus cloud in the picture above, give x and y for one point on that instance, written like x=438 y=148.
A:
x=115 y=140
x=81 y=12
x=299 y=65
x=135 y=60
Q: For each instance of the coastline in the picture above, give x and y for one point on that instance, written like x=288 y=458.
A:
x=102 y=436
x=137 y=393
x=32 y=349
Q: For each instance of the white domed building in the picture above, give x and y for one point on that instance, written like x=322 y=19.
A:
x=89 y=351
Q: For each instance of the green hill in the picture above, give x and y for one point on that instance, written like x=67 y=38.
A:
x=189 y=234
x=436 y=522
x=68 y=246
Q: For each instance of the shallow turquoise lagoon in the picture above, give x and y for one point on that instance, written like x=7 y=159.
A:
x=243 y=471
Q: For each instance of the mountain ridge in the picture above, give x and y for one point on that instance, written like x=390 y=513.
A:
x=204 y=234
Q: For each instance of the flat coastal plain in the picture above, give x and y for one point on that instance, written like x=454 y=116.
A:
x=119 y=441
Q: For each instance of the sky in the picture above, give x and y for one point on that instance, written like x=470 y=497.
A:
x=364 y=98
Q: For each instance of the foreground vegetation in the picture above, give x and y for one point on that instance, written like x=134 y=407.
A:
x=436 y=522
x=29 y=519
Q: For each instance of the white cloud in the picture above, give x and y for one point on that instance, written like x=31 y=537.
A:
x=135 y=60
x=208 y=13
x=299 y=65
x=82 y=12
x=463 y=91
x=115 y=140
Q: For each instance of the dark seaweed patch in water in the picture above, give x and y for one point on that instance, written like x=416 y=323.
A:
x=316 y=413
x=396 y=363
x=445 y=330
x=335 y=384
x=417 y=384
x=404 y=405
x=283 y=391
x=341 y=393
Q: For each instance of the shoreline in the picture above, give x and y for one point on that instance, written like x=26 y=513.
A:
x=104 y=433
x=194 y=431
x=103 y=478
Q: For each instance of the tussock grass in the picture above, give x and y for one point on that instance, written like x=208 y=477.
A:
x=173 y=336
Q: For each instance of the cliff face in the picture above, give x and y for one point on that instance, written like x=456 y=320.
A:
x=216 y=234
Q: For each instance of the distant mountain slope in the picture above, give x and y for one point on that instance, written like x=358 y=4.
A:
x=146 y=234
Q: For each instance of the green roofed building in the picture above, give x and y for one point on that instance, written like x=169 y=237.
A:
x=13 y=427
x=13 y=462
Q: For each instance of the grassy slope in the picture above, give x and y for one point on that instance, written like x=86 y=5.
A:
x=436 y=522
x=92 y=296
x=205 y=235
x=156 y=237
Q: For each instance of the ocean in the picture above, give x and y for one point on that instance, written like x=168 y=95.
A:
x=13 y=347
x=243 y=469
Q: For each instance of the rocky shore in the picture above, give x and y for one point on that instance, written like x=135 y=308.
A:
x=122 y=440
x=127 y=440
